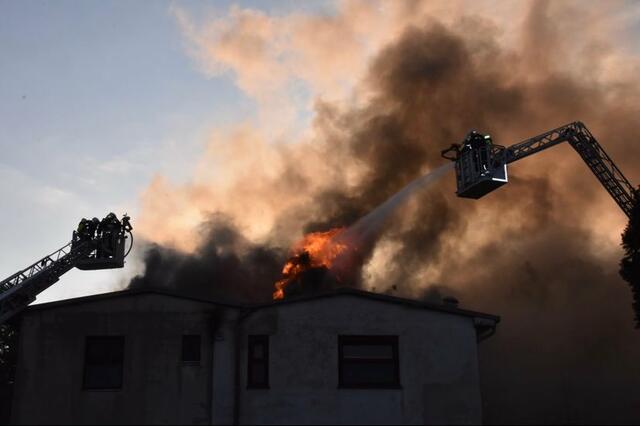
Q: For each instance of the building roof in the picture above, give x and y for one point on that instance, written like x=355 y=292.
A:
x=447 y=308
x=130 y=292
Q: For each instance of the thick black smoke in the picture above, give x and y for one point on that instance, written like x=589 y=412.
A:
x=225 y=267
x=565 y=350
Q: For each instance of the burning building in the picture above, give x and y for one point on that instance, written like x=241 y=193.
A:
x=546 y=262
x=342 y=356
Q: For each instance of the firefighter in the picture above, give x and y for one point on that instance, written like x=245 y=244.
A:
x=81 y=226
x=475 y=140
x=468 y=143
x=126 y=223
x=472 y=144
x=110 y=221
x=109 y=229
x=480 y=146
x=93 y=225
x=83 y=231
x=91 y=232
x=484 y=144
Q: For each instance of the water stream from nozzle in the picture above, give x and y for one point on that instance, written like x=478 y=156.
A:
x=343 y=251
x=363 y=233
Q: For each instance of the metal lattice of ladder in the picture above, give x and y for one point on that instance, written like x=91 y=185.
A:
x=591 y=152
x=603 y=167
x=21 y=288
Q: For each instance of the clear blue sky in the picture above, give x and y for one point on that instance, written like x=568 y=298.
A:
x=95 y=98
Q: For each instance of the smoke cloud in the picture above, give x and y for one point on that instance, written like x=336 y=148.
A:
x=386 y=87
x=224 y=255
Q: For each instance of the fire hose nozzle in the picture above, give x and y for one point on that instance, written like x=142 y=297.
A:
x=452 y=153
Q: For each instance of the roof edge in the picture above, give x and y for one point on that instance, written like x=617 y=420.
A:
x=128 y=292
x=383 y=298
x=254 y=307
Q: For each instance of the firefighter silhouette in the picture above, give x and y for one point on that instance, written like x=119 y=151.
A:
x=109 y=232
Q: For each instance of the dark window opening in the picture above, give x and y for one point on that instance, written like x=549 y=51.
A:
x=191 y=349
x=368 y=362
x=258 y=362
x=103 y=363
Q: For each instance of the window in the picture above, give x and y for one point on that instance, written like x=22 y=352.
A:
x=368 y=362
x=258 y=357
x=103 y=363
x=191 y=349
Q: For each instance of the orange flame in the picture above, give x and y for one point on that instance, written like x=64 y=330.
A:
x=314 y=250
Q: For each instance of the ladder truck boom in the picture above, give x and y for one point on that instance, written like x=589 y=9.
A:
x=481 y=166
x=96 y=245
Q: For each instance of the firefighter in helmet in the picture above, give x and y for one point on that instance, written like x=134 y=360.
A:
x=480 y=146
x=83 y=232
x=109 y=230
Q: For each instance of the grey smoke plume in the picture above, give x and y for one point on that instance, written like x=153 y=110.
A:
x=367 y=227
x=364 y=233
x=538 y=251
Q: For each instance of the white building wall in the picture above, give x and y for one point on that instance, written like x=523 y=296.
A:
x=437 y=355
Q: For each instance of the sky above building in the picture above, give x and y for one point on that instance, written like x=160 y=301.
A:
x=98 y=99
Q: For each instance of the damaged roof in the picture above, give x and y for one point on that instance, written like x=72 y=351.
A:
x=440 y=307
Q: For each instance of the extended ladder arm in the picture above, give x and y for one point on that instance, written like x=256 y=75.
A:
x=591 y=152
x=21 y=288
x=89 y=251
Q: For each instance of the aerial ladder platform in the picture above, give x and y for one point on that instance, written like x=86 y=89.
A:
x=481 y=166
x=95 y=245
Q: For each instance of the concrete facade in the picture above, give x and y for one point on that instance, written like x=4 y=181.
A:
x=437 y=358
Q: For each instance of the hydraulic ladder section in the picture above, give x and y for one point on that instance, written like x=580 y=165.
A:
x=21 y=288
x=603 y=167
x=598 y=161
x=99 y=248
x=479 y=181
